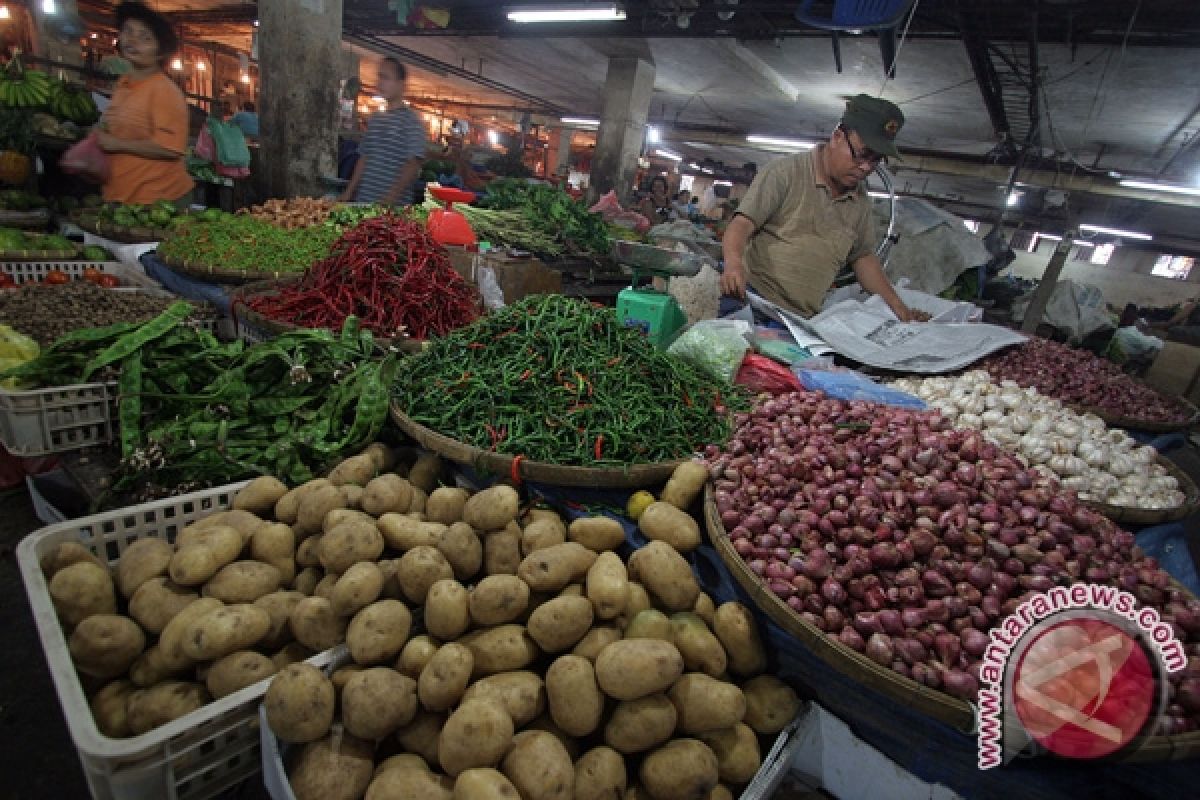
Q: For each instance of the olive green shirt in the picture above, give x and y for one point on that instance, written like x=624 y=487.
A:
x=803 y=236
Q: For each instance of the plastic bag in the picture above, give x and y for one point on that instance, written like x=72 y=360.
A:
x=489 y=289
x=86 y=159
x=607 y=204
x=761 y=374
x=716 y=345
x=15 y=350
x=1130 y=344
x=850 y=385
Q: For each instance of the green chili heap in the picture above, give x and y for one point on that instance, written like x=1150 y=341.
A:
x=561 y=381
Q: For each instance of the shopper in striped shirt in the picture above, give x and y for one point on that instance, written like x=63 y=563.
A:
x=393 y=148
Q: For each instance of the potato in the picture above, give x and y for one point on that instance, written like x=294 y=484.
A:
x=502 y=551
x=559 y=624
x=700 y=648
x=260 y=495
x=357 y=470
x=417 y=506
x=224 y=630
x=642 y=724
x=608 y=585
x=639 y=601
x=576 y=704
x=570 y=590
x=65 y=555
x=243 y=582
x=157 y=601
x=734 y=626
x=522 y=694
x=445 y=505
x=325 y=588
x=596 y=533
x=308 y=552
x=705 y=609
x=340 y=515
x=352 y=495
x=540 y=767
x=600 y=775
x=685 y=485
x=377 y=702
x=596 y=640
x=719 y=792
x=546 y=724
x=551 y=569
x=148 y=709
x=170 y=641
x=684 y=769
x=484 y=783
x=287 y=508
x=649 y=624
x=421 y=735
x=391 y=586
x=348 y=544
x=541 y=534
x=535 y=514
x=243 y=522
x=378 y=632
x=237 y=671
x=382 y=456
x=151 y=668
x=105 y=645
x=770 y=704
x=419 y=569
x=306 y=580
x=144 y=559
x=463 y=549
x=81 y=590
x=315 y=625
x=403 y=532
x=477 y=734
x=300 y=703
x=426 y=473
x=666 y=575
x=415 y=655
x=401 y=761
x=501 y=649
x=634 y=668
x=736 y=749
x=664 y=522
x=445 y=678
x=335 y=767
x=275 y=544
x=492 y=509
x=312 y=508
x=706 y=704
x=410 y=784
x=385 y=494
x=447 y=609
x=342 y=675
x=108 y=708
x=204 y=553
x=356 y=589
x=291 y=653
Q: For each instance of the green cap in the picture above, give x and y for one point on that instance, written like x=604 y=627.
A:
x=877 y=122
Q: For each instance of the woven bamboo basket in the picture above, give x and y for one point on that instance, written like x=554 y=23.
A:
x=1142 y=517
x=636 y=476
x=212 y=274
x=39 y=255
x=903 y=691
x=1135 y=424
x=32 y=220
x=119 y=233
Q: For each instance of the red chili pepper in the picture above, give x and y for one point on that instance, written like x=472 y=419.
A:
x=515 y=471
x=599 y=446
x=687 y=399
x=476 y=345
x=525 y=375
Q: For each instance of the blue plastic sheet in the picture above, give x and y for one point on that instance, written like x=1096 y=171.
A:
x=849 y=385
x=220 y=295
x=1168 y=543
x=1162 y=442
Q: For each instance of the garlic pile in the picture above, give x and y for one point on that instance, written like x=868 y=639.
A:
x=1077 y=450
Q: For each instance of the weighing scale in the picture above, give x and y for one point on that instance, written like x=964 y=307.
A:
x=446 y=225
x=649 y=310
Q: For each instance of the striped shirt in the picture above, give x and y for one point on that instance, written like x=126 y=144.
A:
x=394 y=137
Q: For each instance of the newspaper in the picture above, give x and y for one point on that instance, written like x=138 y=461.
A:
x=869 y=333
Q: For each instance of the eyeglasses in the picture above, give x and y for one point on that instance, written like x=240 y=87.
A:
x=866 y=155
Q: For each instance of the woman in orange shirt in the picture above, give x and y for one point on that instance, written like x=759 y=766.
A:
x=145 y=128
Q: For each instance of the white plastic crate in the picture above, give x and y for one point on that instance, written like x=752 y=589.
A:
x=27 y=271
x=36 y=422
x=198 y=756
x=775 y=763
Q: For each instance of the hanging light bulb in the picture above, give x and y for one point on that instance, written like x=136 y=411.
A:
x=4 y=14
x=201 y=66
x=177 y=65
x=245 y=78
x=49 y=7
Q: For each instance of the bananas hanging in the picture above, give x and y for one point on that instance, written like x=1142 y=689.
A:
x=34 y=90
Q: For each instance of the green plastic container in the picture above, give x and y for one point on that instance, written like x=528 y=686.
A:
x=652 y=312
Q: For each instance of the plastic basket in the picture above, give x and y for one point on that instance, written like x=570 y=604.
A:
x=197 y=756
x=26 y=271
x=37 y=422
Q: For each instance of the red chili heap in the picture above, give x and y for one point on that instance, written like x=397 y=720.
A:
x=1077 y=377
x=908 y=541
x=389 y=273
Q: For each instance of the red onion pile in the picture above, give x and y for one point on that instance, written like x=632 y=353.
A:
x=908 y=541
x=1080 y=378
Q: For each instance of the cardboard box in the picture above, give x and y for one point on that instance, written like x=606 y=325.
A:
x=1176 y=370
x=518 y=277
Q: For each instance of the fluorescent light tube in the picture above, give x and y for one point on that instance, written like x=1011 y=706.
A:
x=581 y=121
x=652 y=135
x=722 y=183
x=1049 y=236
x=1161 y=187
x=578 y=14
x=1145 y=237
x=794 y=144
x=668 y=154
x=1082 y=243
x=880 y=195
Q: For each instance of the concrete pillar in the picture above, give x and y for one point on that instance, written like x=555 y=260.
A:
x=58 y=34
x=300 y=64
x=560 y=151
x=627 y=92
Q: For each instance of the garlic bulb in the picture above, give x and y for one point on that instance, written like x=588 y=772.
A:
x=1145 y=454
x=969 y=420
x=1135 y=483
x=1042 y=425
x=992 y=418
x=1068 y=465
x=1020 y=423
x=1077 y=483
x=1068 y=428
x=1120 y=464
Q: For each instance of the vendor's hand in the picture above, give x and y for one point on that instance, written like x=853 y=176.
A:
x=906 y=314
x=733 y=281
